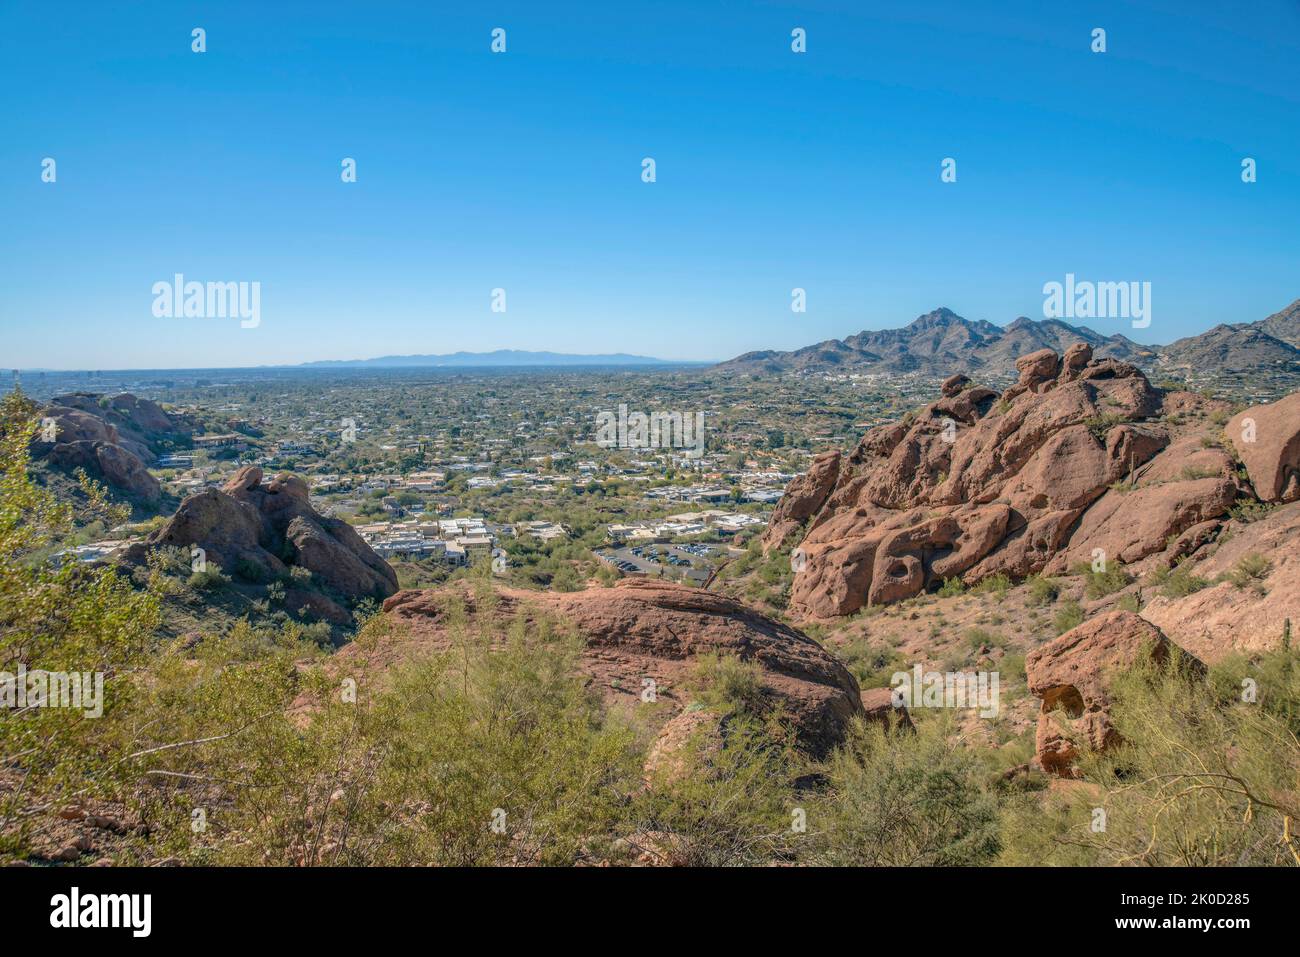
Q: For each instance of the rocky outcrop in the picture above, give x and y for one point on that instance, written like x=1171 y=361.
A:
x=261 y=529
x=1267 y=437
x=139 y=425
x=639 y=636
x=1070 y=459
x=1071 y=676
x=804 y=496
x=1253 y=590
x=81 y=440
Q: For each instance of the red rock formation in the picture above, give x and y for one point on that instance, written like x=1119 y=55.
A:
x=1245 y=615
x=86 y=441
x=1071 y=676
x=975 y=485
x=273 y=526
x=639 y=631
x=1267 y=437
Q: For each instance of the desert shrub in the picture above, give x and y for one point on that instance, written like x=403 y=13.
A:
x=872 y=664
x=1110 y=579
x=1176 y=582
x=495 y=752
x=726 y=683
x=977 y=638
x=1042 y=590
x=951 y=587
x=1099 y=425
x=71 y=618
x=1013 y=667
x=997 y=585
x=1068 y=615
x=1202 y=778
x=1250 y=571
x=1250 y=511
x=249 y=570
x=1130 y=602
x=210 y=579
x=903 y=800
x=728 y=799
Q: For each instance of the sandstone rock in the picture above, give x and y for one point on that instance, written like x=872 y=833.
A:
x=882 y=706
x=1037 y=368
x=270 y=526
x=1128 y=526
x=108 y=462
x=105 y=438
x=953 y=385
x=1072 y=675
x=968 y=488
x=1225 y=617
x=640 y=630
x=1073 y=459
x=803 y=497
x=1267 y=437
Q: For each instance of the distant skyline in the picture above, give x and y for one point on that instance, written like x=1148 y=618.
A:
x=522 y=171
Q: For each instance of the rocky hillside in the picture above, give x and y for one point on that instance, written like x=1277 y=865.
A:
x=935 y=344
x=941 y=342
x=1082 y=460
x=113 y=439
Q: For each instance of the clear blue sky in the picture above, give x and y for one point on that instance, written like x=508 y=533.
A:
x=522 y=171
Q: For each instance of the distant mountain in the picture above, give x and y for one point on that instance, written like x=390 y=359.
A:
x=1284 y=325
x=940 y=342
x=1243 y=347
x=501 y=357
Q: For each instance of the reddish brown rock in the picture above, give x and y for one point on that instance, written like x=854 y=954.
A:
x=639 y=631
x=883 y=706
x=1235 y=613
x=970 y=486
x=271 y=526
x=1072 y=677
x=83 y=440
x=802 y=498
x=1127 y=526
x=953 y=385
x=1267 y=437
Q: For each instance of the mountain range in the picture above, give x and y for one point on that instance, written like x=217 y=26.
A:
x=499 y=357
x=941 y=342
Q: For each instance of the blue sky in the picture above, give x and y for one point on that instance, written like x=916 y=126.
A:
x=523 y=171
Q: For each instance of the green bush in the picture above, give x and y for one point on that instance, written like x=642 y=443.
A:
x=1042 y=590
x=951 y=587
x=903 y=800
x=210 y=579
x=1068 y=615
x=1250 y=571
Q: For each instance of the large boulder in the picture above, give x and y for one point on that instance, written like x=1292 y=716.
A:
x=272 y=526
x=638 y=635
x=1267 y=437
x=1072 y=678
x=110 y=438
x=972 y=484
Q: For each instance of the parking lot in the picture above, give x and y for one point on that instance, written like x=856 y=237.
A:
x=672 y=561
